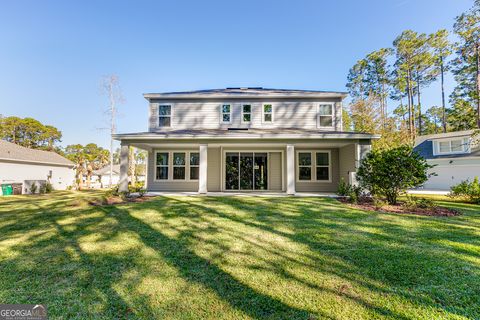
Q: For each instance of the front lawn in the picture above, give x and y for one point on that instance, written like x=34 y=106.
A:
x=237 y=257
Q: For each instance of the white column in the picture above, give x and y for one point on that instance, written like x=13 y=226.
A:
x=123 y=181
x=290 y=169
x=202 y=178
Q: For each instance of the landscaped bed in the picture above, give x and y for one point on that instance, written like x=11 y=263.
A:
x=236 y=258
x=422 y=207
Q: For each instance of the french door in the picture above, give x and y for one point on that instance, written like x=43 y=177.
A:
x=246 y=171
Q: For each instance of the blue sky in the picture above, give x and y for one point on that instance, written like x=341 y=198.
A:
x=54 y=53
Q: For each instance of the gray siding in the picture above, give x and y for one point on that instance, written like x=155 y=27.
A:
x=275 y=171
x=206 y=115
x=214 y=168
x=346 y=161
x=313 y=186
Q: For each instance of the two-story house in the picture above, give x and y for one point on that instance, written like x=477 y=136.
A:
x=455 y=155
x=246 y=139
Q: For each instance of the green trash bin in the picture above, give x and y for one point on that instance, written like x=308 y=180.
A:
x=7 y=189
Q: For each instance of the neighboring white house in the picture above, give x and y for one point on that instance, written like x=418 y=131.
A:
x=20 y=165
x=456 y=156
x=101 y=177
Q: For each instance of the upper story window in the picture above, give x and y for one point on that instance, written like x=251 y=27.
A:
x=451 y=146
x=268 y=113
x=226 y=113
x=246 y=113
x=325 y=115
x=164 y=115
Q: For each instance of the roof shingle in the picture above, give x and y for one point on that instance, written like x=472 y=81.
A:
x=14 y=152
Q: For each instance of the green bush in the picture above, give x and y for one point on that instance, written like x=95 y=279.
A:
x=469 y=190
x=33 y=188
x=353 y=193
x=124 y=195
x=48 y=187
x=413 y=203
x=113 y=191
x=42 y=189
x=389 y=173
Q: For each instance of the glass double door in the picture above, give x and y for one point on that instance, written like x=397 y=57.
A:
x=246 y=171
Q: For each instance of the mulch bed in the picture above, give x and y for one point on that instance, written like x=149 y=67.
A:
x=399 y=208
x=114 y=200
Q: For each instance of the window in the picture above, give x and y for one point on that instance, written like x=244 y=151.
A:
x=304 y=166
x=226 y=116
x=325 y=115
x=164 y=115
x=162 y=166
x=323 y=166
x=179 y=166
x=452 y=146
x=267 y=113
x=194 y=165
x=246 y=113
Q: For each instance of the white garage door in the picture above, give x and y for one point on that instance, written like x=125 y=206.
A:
x=449 y=175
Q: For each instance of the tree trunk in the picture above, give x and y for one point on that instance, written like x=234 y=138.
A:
x=477 y=48
x=444 y=117
x=419 y=108
x=409 y=107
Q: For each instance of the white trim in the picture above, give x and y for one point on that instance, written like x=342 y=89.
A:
x=242 y=113
x=332 y=115
x=436 y=146
x=165 y=116
x=170 y=166
x=221 y=112
x=313 y=165
x=272 y=113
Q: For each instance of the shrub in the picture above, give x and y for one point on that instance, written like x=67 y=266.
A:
x=413 y=203
x=33 y=188
x=467 y=189
x=353 y=193
x=113 y=191
x=391 y=172
x=48 y=187
x=42 y=189
x=124 y=195
x=378 y=203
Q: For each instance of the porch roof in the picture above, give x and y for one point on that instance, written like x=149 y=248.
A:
x=233 y=134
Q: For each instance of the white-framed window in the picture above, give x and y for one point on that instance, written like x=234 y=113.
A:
x=246 y=113
x=314 y=166
x=161 y=165
x=304 y=160
x=267 y=113
x=194 y=165
x=179 y=165
x=165 y=115
x=451 y=146
x=322 y=166
x=226 y=113
x=325 y=115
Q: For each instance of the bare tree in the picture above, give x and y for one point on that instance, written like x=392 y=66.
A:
x=111 y=88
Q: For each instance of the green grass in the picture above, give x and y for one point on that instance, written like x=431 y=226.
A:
x=235 y=258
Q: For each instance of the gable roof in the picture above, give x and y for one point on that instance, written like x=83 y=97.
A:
x=14 y=152
x=424 y=145
x=246 y=92
x=106 y=170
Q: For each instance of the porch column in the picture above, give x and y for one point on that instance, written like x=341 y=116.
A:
x=290 y=169
x=123 y=180
x=202 y=178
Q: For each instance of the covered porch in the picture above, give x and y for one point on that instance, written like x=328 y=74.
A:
x=303 y=167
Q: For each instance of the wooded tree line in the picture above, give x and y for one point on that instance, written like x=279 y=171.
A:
x=29 y=133
x=399 y=74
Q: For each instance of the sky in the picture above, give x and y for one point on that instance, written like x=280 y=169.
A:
x=53 y=54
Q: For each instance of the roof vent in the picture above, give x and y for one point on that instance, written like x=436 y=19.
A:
x=244 y=88
x=237 y=129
